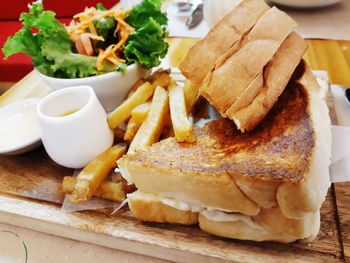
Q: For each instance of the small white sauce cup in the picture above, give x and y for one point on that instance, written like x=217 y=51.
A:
x=75 y=139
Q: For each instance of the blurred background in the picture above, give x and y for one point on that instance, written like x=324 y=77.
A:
x=317 y=19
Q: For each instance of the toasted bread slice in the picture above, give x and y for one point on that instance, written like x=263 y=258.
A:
x=261 y=95
x=284 y=161
x=242 y=63
x=203 y=55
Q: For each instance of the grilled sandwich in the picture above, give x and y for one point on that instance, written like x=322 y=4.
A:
x=267 y=184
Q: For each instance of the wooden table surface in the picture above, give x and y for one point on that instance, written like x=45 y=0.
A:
x=329 y=55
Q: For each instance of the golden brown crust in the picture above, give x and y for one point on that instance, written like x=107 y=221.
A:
x=275 y=77
x=278 y=149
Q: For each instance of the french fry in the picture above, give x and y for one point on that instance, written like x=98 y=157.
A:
x=139 y=113
x=90 y=178
x=123 y=112
x=138 y=116
x=107 y=190
x=182 y=127
x=151 y=128
x=138 y=84
x=160 y=78
x=191 y=95
x=131 y=129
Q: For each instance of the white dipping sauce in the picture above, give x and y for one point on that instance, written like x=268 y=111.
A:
x=18 y=126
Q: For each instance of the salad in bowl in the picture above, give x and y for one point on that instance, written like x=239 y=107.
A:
x=106 y=49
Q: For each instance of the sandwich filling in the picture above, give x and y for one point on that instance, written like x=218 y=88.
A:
x=210 y=213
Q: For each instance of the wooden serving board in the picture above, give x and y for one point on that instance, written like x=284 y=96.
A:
x=30 y=196
x=34 y=175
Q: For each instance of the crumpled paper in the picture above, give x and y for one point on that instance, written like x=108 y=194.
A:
x=94 y=203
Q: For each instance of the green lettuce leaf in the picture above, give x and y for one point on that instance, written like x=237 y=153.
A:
x=140 y=14
x=51 y=47
x=68 y=64
x=24 y=41
x=101 y=7
x=146 y=46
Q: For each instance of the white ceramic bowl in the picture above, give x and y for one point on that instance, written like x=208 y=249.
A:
x=110 y=88
x=306 y=3
x=19 y=128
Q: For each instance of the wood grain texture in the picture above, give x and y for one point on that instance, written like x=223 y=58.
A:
x=32 y=175
x=30 y=86
x=342 y=193
x=331 y=56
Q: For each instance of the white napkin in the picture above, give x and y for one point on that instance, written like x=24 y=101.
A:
x=94 y=203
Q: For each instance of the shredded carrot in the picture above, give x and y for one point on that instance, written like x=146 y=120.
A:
x=123 y=23
x=118 y=27
x=102 y=56
x=84 y=25
x=119 y=44
x=92 y=28
x=115 y=61
x=87 y=11
x=95 y=37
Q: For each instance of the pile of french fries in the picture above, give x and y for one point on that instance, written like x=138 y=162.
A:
x=155 y=108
